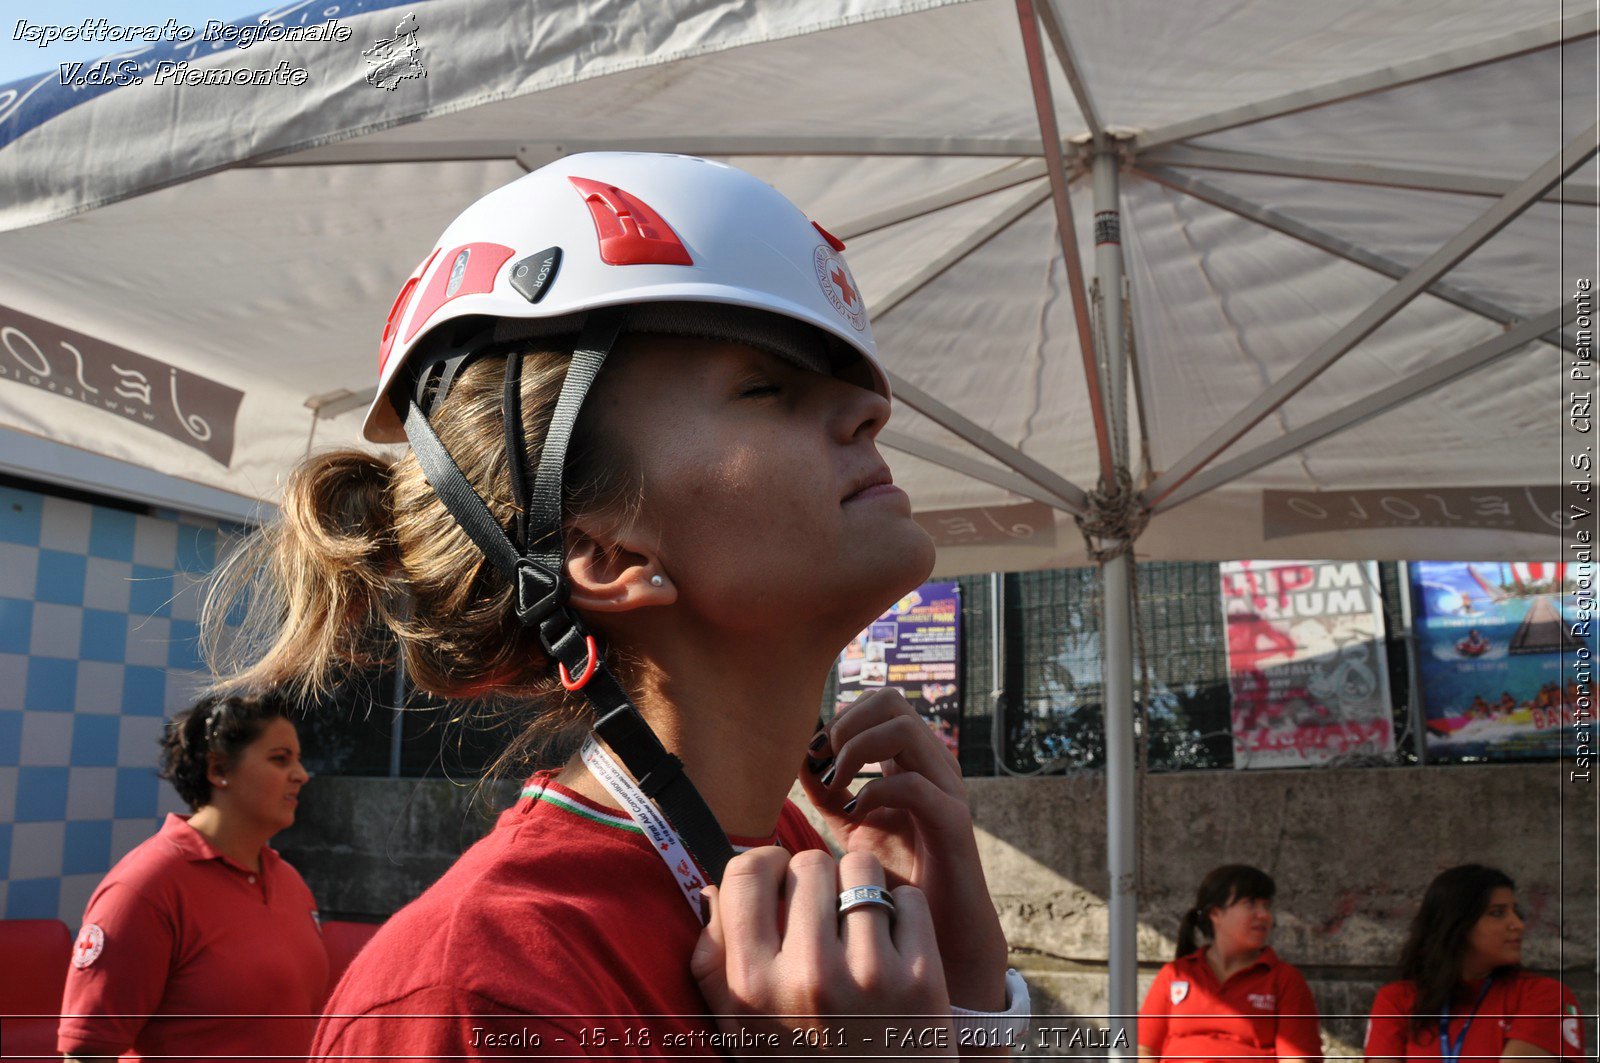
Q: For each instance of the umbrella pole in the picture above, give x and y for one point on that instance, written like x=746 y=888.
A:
x=1122 y=853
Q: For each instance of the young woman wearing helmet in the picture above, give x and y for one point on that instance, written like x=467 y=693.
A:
x=1230 y=997
x=642 y=499
x=1463 y=992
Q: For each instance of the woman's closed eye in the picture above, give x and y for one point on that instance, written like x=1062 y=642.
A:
x=760 y=387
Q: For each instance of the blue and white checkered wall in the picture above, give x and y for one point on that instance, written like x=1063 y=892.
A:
x=98 y=643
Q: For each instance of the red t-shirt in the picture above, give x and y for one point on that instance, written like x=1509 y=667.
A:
x=177 y=929
x=1264 y=1010
x=1519 y=1006
x=561 y=921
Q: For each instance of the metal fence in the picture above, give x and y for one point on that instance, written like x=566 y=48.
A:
x=1051 y=714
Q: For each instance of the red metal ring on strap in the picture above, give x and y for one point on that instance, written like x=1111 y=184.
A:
x=588 y=668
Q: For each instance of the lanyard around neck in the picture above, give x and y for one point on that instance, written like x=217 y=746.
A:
x=663 y=838
x=1450 y=1050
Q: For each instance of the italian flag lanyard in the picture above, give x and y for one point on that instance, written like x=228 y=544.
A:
x=643 y=811
x=1450 y=1050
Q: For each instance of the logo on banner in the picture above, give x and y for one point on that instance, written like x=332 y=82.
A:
x=194 y=410
x=394 y=59
x=1179 y=991
x=91 y=942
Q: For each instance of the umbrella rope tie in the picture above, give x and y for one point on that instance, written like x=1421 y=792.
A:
x=1115 y=516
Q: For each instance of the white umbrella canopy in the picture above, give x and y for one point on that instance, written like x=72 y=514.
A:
x=1282 y=163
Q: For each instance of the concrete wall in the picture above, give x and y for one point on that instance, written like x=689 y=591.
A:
x=1351 y=851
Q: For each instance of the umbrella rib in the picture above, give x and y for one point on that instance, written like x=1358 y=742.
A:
x=935 y=269
x=1571 y=156
x=1510 y=46
x=1055 y=28
x=1452 y=369
x=1357 y=173
x=1039 y=79
x=1053 y=483
x=1017 y=173
x=1272 y=219
x=958 y=462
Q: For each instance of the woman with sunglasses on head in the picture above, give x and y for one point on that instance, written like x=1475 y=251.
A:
x=1230 y=996
x=202 y=934
x=642 y=507
x=1463 y=993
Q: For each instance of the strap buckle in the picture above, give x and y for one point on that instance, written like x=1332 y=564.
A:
x=541 y=591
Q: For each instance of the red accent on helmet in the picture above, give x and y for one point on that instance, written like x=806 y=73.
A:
x=391 y=326
x=630 y=232
x=483 y=262
x=833 y=241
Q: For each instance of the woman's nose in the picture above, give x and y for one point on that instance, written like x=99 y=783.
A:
x=864 y=414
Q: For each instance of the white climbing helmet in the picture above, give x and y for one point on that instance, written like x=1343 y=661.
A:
x=610 y=229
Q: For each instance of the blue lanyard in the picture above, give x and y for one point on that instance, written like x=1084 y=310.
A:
x=1450 y=1051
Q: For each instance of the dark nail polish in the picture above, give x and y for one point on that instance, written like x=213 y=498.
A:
x=705 y=906
x=828 y=778
x=850 y=806
x=816 y=743
x=816 y=764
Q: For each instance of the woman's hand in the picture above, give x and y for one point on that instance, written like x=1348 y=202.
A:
x=916 y=822
x=778 y=958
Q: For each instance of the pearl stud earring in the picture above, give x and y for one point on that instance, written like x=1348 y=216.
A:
x=656 y=581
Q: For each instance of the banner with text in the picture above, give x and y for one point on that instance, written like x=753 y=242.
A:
x=1306 y=662
x=915 y=647
x=1491 y=641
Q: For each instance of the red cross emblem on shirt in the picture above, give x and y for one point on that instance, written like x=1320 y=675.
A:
x=843 y=282
x=91 y=939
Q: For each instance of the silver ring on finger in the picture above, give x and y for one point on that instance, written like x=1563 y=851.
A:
x=865 y=897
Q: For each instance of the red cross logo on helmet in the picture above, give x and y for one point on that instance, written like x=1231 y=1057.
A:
x=843 y=282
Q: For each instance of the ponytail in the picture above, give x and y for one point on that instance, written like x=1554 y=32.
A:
x=1194 y=922
x=319 y=586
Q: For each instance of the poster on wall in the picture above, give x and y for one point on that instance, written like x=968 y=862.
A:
x=1306 y=662
x=1491 y=641
x=915 y=648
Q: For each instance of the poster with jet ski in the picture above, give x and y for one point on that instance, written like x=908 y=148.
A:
x=916 y=648
x=1307 y=666
x=1498 y=658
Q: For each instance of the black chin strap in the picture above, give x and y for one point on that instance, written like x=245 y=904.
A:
x=533 y=564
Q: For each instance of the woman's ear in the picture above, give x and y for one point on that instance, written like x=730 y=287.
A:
x=216 y=771
x=615 y=574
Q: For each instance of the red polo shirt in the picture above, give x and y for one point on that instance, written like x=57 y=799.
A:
x=1264 y=1010
x=561 y=932
x=177 y=929
x=1519 y=1006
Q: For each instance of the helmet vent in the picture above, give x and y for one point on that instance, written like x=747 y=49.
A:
x=630 y=232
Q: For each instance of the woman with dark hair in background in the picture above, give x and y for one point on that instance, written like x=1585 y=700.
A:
x=1462 y=991
x=203 y=921
x=1232 y=996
